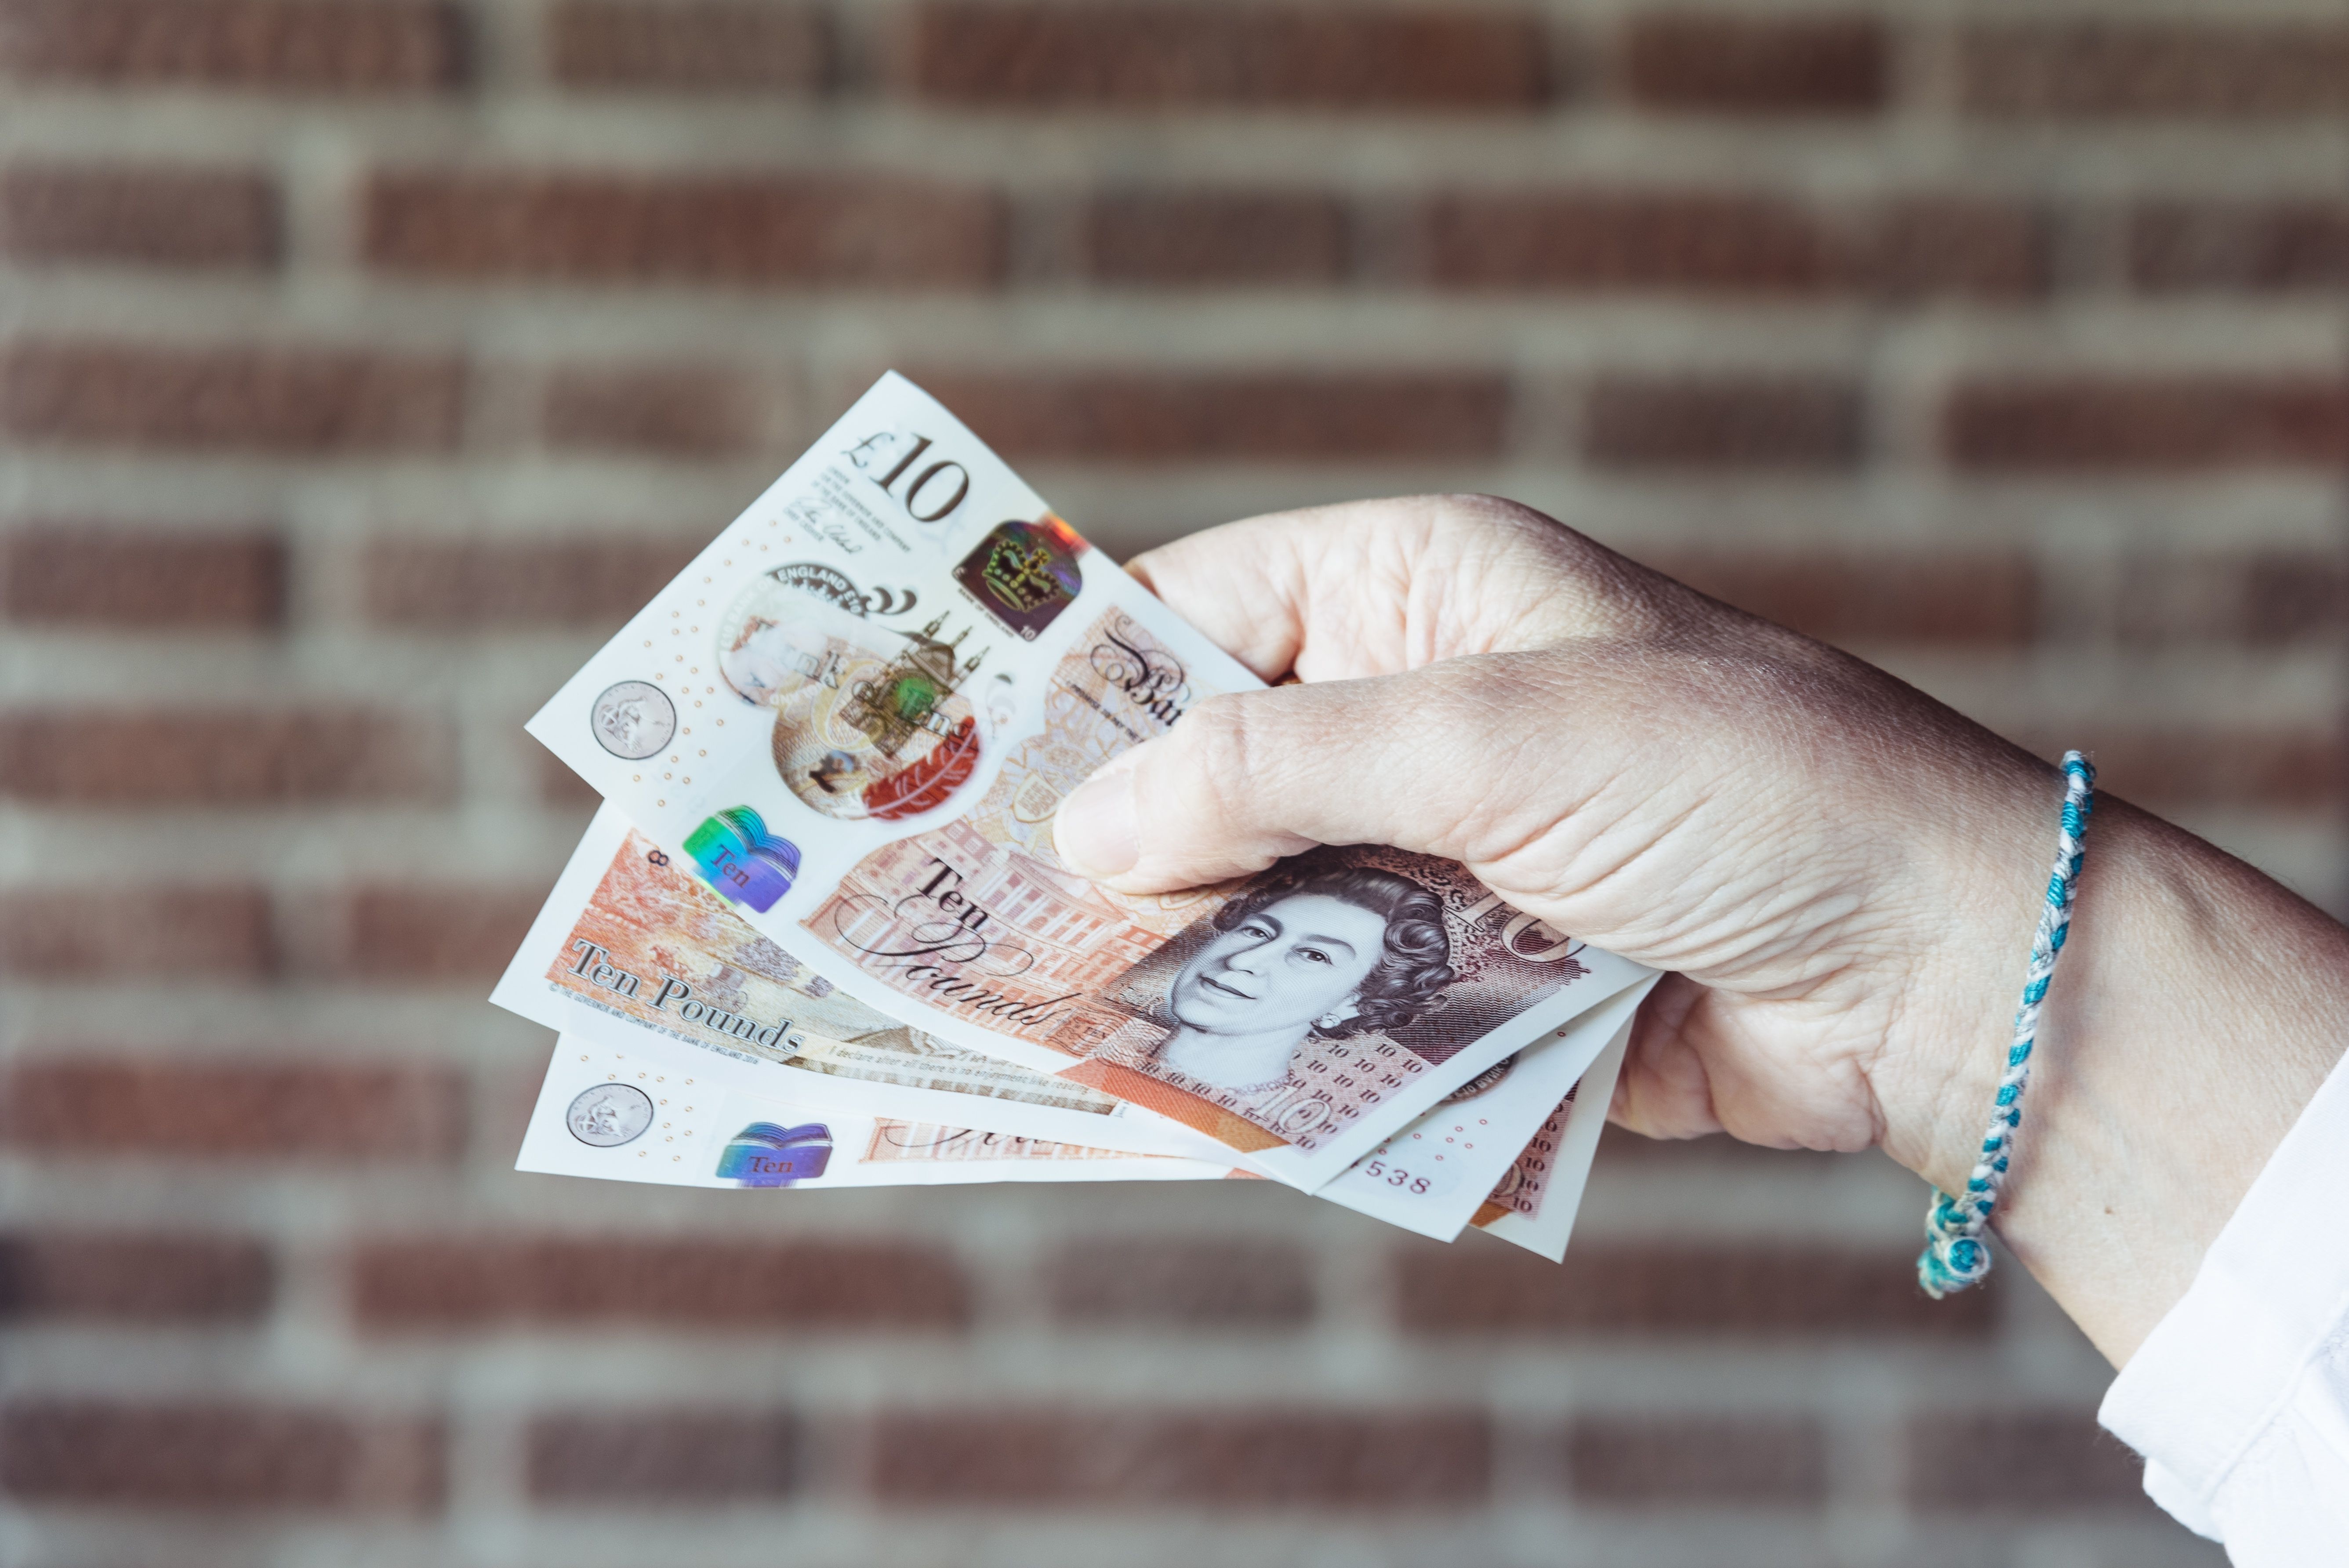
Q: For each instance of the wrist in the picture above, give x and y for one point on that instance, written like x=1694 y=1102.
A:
x=1982 y=878
x=2197 y=1008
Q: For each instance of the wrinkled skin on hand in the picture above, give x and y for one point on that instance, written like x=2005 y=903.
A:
x=1841 y=872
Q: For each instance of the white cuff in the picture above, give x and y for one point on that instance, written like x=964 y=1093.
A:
x=2239 y=1398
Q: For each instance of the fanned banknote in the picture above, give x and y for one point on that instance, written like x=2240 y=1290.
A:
x=1534 y=1205
x=855 y=716
x=1491 y=1147
x=655 y=1114
x=649 y=1114
x=630 y=948
x=626 y=940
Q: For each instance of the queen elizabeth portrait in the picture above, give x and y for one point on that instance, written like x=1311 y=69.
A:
x=1329 y=955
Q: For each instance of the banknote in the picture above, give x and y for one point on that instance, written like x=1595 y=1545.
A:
x=651 y=1116
x=1534 y=1205
x=855 y=716
x=1491 y=1144
x=629 y=948
x=626 y=940
x=654 y=1114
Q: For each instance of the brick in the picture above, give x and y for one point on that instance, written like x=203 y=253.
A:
x=1962 y=246
x=2288 y=596
x=1707 y=241
x=1629 y=239
x=217 y=1457
x=154 y=215
x=2277 y=768
x=428 y=1286
x=1715 y=63
x=88 y=1103
x=427 y=935
x=1314 y=1458
x=688 y=412
x=289 y=46
x=1977 y=598
x=1145 y=56
x=130 y=579
x=2030 y=1459
x=296 y=401
x=2255 y=247
x=1188 y=238
x=863 y=230
x=134 y=1278
x=2265 y=598
x=2107 y=69
x=700 y=45
x=1642 y=1460
x=1177 y=416
x=462 y=583
x=2159 y=424
x=1728 y=1291
x=637 y=1458
x=223 y=758
x=1681 y=422
x=220 y=933
x=1201 y=1285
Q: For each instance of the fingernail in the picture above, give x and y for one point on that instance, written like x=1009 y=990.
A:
x=1095 y=830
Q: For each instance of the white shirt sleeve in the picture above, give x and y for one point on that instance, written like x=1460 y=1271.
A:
x=2238 y=1401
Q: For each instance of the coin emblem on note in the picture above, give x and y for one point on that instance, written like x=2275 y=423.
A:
x=610 y=1115
x=634 y=719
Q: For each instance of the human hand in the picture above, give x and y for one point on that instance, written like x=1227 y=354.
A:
x=1840 y=873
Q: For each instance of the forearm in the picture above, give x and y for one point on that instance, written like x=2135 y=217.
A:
x=2197 y=1008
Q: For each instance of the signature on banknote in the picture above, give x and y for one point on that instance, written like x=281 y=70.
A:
x=894 y=1141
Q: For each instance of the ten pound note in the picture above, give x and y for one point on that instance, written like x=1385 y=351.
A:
x=655 y=981
x=633 y=950
x=854 y=715
x=644 y=1115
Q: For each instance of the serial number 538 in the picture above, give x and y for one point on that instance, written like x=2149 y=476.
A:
x=1394 y=1175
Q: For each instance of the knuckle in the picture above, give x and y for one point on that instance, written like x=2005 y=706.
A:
x=1513 y=522
x=1602 y=594
x=1472 y=507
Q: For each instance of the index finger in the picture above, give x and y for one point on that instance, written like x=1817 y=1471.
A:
x=1243 y=585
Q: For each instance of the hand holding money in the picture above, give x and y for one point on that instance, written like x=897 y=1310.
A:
x=836 y=927
x=825 y=911
x=1619 y=755
x=1837 y=870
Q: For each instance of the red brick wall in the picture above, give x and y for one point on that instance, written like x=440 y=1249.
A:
x=368 y=359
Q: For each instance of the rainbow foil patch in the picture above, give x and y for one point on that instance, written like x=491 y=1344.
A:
x=765 y=1155
x=741 y=860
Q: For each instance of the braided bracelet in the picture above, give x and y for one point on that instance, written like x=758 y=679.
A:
x=1955 y=1255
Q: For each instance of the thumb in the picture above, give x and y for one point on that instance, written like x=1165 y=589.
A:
x=1246 y=778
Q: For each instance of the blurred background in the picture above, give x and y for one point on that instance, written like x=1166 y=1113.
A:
x=366 y=361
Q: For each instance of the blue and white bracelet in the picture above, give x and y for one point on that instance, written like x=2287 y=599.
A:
x=1955 y=1255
